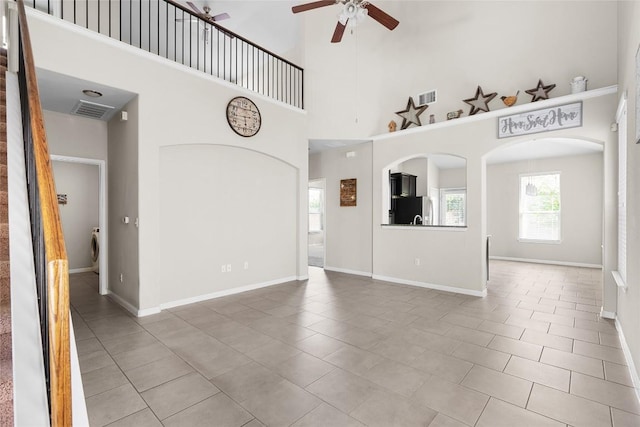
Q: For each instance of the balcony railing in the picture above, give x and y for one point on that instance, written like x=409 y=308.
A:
x=173 y=31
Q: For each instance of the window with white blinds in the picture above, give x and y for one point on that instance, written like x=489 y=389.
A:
x=540 y=208
x=452 y=206
x=622 y=192
x=315 y=209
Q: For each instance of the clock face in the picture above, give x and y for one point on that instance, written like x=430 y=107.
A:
x=243 y=116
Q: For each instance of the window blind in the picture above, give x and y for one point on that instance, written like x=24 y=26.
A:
x=540 y=218
x=452 y=205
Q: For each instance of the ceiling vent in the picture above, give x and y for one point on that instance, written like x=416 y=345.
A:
x=427 y=98
x=91 y=110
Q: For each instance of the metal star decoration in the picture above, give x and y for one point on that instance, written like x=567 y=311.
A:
x=411 y=114
x=480 y=102
x=540 y=92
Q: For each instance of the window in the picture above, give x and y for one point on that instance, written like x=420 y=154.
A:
x=452 y=205
x=315 y=210
x=540 y=207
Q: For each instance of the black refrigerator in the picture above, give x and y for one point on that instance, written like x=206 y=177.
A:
x=406 y=209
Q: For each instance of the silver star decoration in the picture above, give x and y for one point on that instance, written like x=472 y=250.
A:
x=411 y=115
x=480 y=102
x=540 y=92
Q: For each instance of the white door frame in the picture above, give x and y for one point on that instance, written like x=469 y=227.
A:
x=323 y=182
x=102 y=214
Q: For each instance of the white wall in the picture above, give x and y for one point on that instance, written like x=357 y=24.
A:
x=443 y=252
x=177 y=106
x=123 y=242
x=354 y=87
x=461 y=46
x=453 y=178
x=81 y=213
x=628 y=310
x=447 y=258
x=348 y=243
x=215 y=214
x=76 y=136
x=581 y=204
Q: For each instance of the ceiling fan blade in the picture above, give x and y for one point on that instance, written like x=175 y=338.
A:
x=220 y=17
x=382 y=17
x=195 y=8
x=338 y=32
x=312 y=5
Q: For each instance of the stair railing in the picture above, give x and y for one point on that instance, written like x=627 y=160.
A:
x=173 y=31
x=52 y=268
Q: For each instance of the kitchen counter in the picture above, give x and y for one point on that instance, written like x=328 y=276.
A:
x=425 y=227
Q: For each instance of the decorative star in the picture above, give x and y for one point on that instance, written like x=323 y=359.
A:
x=480 y=102
x=540 y=92
x=411 y=114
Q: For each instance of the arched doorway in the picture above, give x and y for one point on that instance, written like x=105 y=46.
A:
x=544 y=207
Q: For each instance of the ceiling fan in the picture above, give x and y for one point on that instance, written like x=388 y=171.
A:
x=353 y=12
x=206 y=15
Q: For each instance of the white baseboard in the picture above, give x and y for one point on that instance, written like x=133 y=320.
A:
x=81 y=270
x=155 y=310
x=347 y=271
x=445 y=288
x=627 y=355
x=619 y=281
x=225 y=293
x=129 y=307
x=303 y=278
x=148 y=311
x=546 y=261
x=607 y=314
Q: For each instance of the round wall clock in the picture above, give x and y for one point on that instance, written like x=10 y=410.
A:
x=243 y=116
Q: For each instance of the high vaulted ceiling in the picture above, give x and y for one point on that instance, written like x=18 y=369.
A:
x=271 y=24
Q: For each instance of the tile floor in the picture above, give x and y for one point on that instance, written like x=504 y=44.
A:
x=342 y=350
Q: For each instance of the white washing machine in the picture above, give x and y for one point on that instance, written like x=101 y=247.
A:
x=95 y=249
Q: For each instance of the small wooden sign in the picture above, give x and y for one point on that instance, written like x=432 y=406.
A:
x=348 y=192
x=543 y=120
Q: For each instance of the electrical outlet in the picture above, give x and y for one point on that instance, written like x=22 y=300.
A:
x=121 y=277
x=228 y=268
x=417 y=261
x=223 y=269
x=246 y=265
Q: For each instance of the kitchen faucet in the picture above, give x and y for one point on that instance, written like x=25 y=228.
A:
x=415 y=219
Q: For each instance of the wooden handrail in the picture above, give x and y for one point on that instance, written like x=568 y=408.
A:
x=56 y=254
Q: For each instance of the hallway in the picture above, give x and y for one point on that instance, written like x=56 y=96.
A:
x=345 y=350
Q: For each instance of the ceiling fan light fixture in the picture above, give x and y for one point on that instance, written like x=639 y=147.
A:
x=352 y=14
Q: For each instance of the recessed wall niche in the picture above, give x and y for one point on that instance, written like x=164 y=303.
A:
x=425 y=190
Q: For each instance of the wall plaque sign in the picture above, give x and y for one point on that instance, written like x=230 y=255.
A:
x=543 y=120
x=348 y=192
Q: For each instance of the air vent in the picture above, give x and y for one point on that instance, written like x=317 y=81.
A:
x=91 y=110
x=427 y=98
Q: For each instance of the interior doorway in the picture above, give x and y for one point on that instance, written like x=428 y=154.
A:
x=317 y=223
x=544 y=204
x=85 y=234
